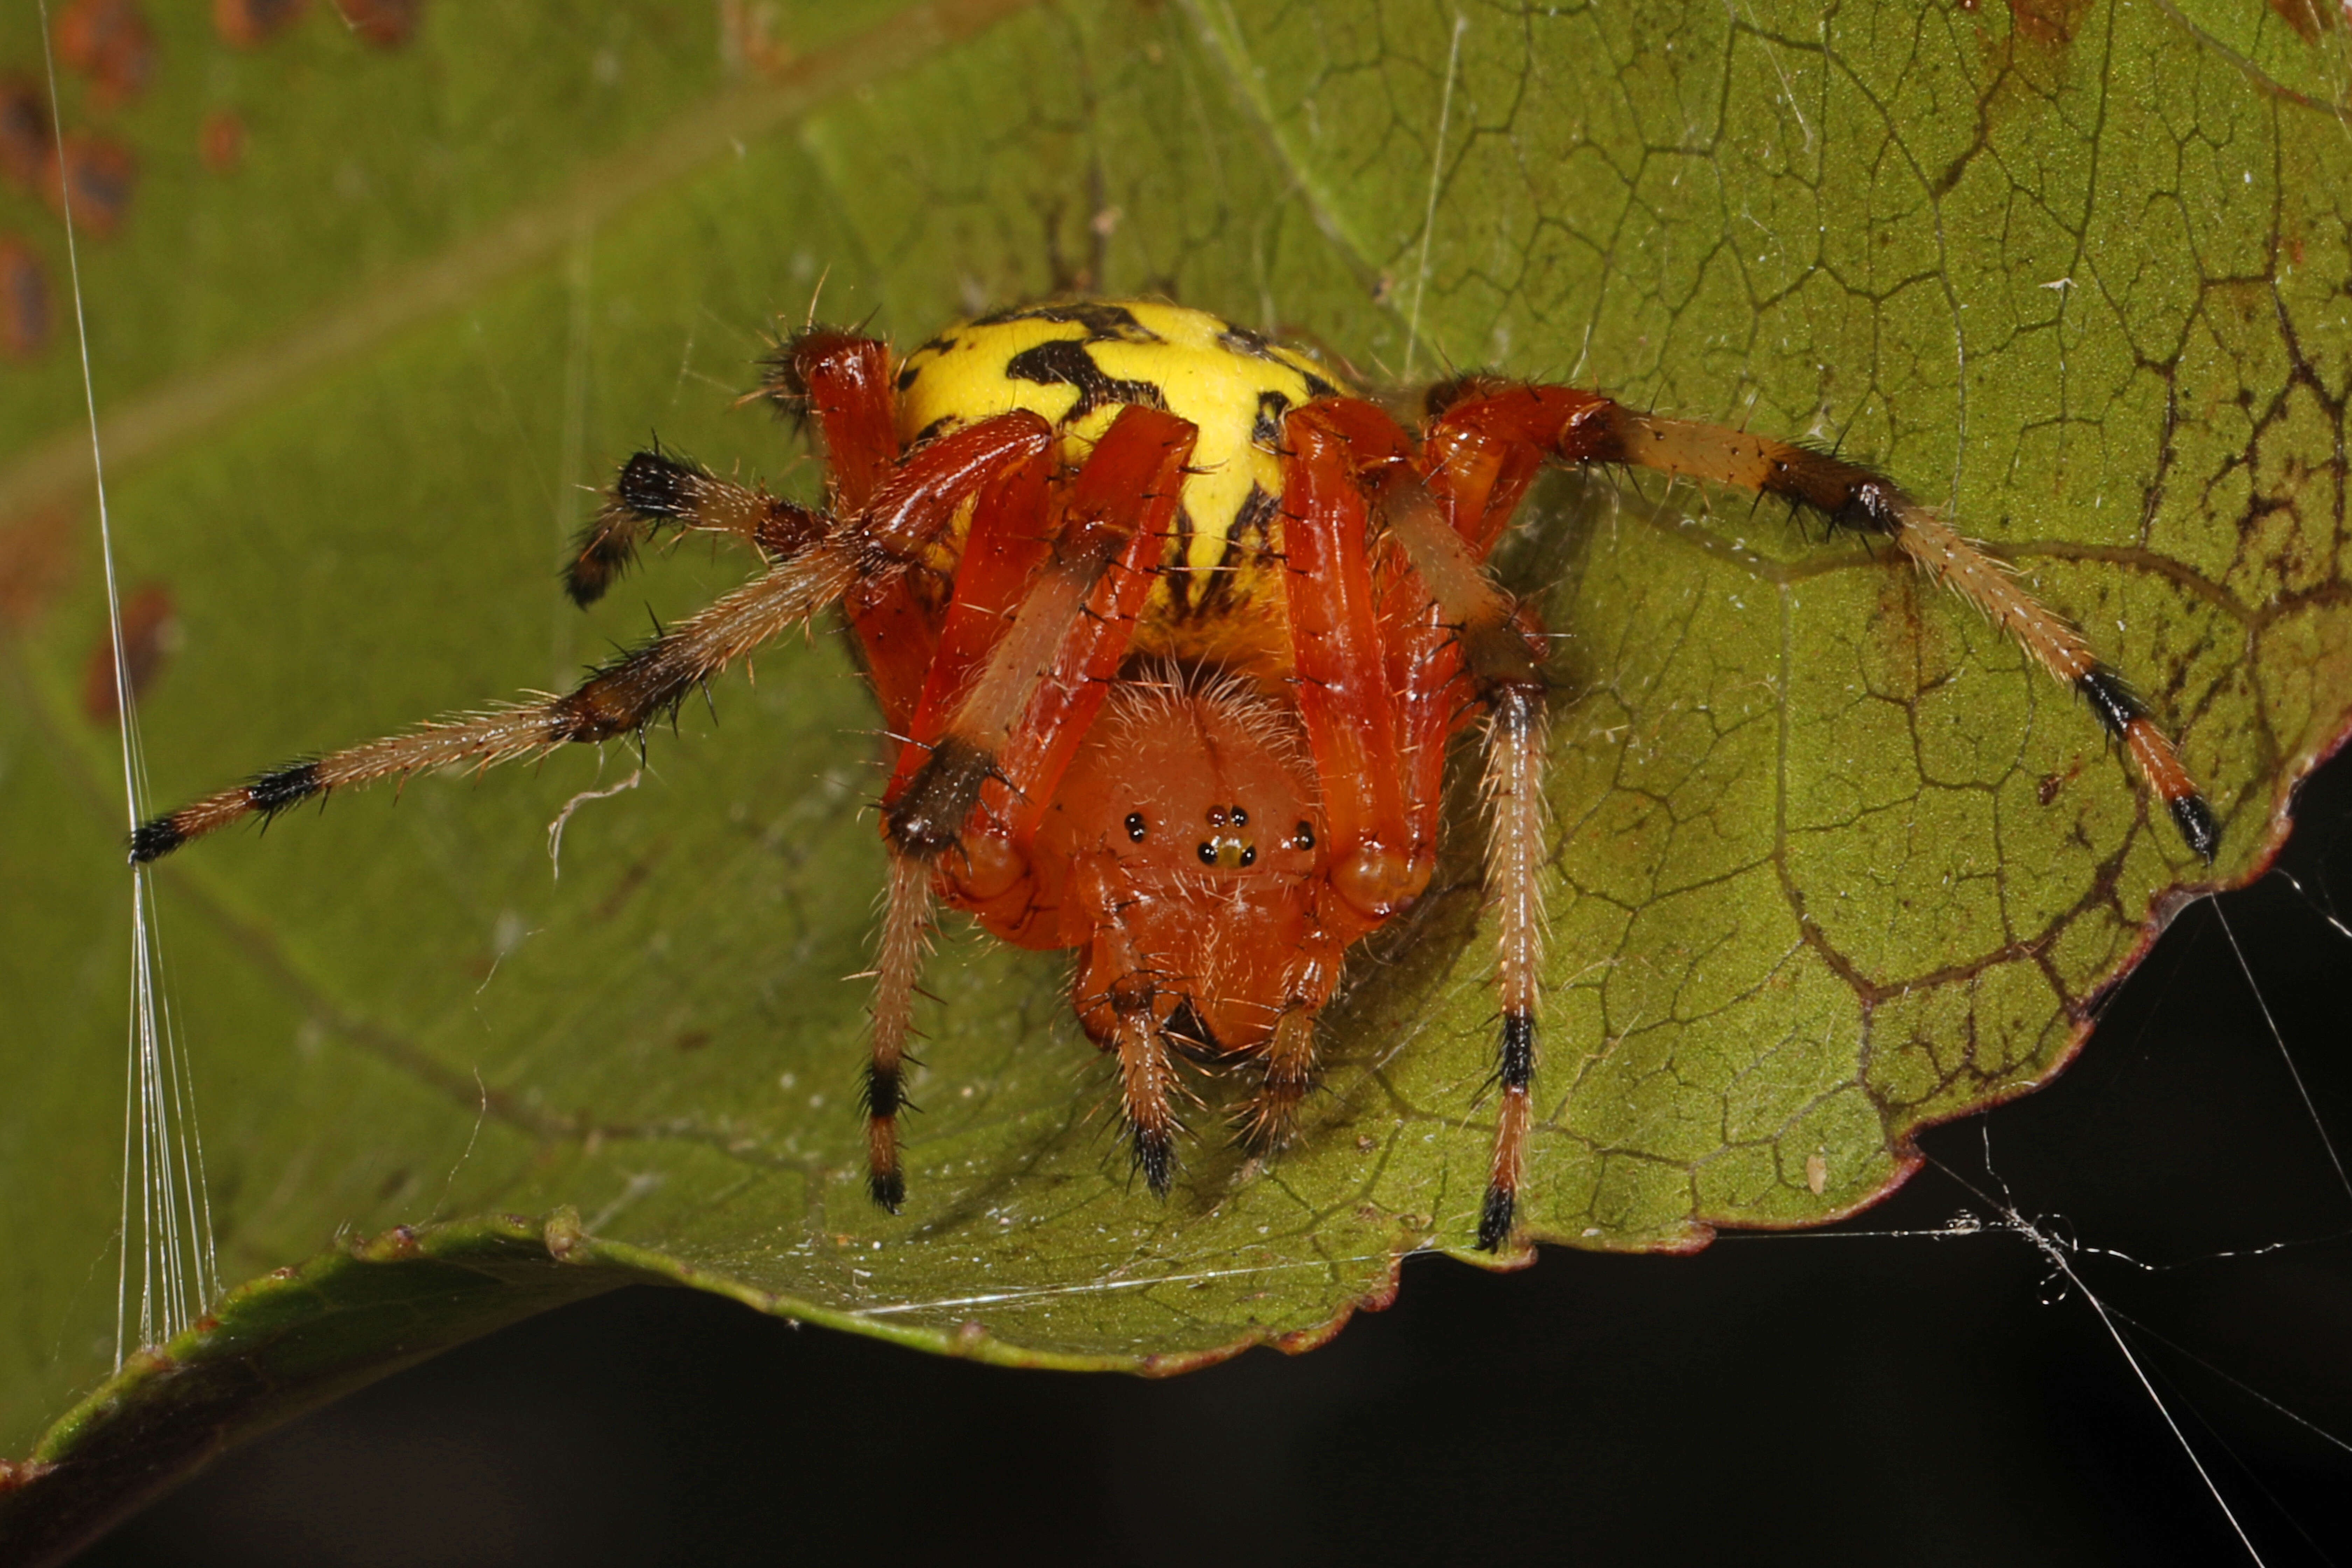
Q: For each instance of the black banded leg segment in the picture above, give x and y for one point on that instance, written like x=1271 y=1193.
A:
x=1289 y=1076
x=655 y=490
x=1514 y=855
x=1147 y=1083
x=898 y=960
x=1852 y=497
x=917 y=504
x=621 y=698
x=1502 y=665
x=1076 y=612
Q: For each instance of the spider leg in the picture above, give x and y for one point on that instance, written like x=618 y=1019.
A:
x=623 y=695
x=841 y=382
x=902 y=517
x=1501 y=661
x=1380 y=849
x=841 y=379
x=1124 y=1008
x=655 y=490
x=1377 y=863
x=1290 y=1062
x=1029 y=645
x=1113 y=516
x=1147 y=1083
x=1585 y=428
x=1007 y=515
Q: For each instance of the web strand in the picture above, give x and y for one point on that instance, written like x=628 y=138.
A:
x=178 y=1271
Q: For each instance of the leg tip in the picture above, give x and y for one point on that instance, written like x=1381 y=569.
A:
x=583 y=587
x=1494 y=1219
x=153 y=839
x=1155 y=1156
x=2198 y=826
x=888 y=1189
x=1266 y=1126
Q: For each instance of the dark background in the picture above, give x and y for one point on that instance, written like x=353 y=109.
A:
x=1843 y=1396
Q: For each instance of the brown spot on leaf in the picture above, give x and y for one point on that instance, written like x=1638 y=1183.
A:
x=750 y=39
x=110 y=42
x=151 y=634
x=98 y=173
x=2307 y=17
x=36 y=560
x=250 y=23
x=2051 y=22
x=220 y=140
x=25 y=305
x=386 y=23
x=27 y=139
x=692 y=1040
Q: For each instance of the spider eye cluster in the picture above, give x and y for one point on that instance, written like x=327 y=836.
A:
x=1227 y=850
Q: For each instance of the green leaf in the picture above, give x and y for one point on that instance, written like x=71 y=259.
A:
x=1833 y=863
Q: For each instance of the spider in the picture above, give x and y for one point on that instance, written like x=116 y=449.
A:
x=1173 y=629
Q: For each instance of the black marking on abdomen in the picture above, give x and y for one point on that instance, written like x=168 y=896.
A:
x=1206 y=594
x=1241 y=341
x=1104 y=322
x=1066 y=362
x=1266 y=430
x=1248 y=344
x=1185 y=588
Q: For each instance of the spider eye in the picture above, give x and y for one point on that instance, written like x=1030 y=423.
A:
x=1249 y=853
x=1207 y=851
x=1303 y=837
x=1135 y=826
x=1239 y=817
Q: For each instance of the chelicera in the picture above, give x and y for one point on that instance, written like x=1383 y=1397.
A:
x=1175 y=629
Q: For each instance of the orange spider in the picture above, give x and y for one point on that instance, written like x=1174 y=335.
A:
x=1176 y=630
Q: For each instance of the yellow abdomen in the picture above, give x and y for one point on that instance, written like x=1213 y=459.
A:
x=1076 y=364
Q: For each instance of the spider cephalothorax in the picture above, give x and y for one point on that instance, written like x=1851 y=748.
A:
x=1176 y=629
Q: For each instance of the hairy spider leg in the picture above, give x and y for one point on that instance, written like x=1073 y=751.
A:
x=1501 y=660
x=1005 y=712
x=901 y=517
x=842 y=380
x=1380 y=837
x=1578 y=426
x=655 y=490
x=1006 y=541
x=1455 y=640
